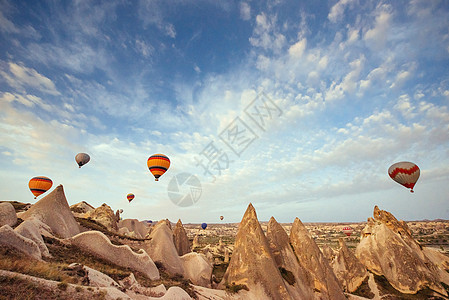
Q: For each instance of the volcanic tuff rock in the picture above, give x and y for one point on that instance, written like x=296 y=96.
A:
x=105 y=216
x=387 y=248
x=54 y=211
x=252 y=263
x=197 y=268
x=311 y=258
x=284 y=257
x=348 y=269
x=7 y=214
x=139 y=228
x=181 y=239
x=98 y=244
x=82 y=207
x=161 y=248
x=10 y=238
x=328 y=252
x=196 y=242
x=33 y=229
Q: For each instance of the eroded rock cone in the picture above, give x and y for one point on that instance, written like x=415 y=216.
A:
x=387 y=248
x=54 y=211
x=252 y=263
x=310 y=257
x=139 y=228
x=349 y=270
x=300 y=286
x=162 y=249
x=105 y=216
x=181 y=239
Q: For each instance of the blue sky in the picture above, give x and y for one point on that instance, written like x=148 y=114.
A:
x=325 y=96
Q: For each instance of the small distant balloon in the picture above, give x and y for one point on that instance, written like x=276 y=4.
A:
x=221 y=217
x=121 y=211
x=130 y=197
x=82 y=159
x=158 y=164
x=204 y=225
x=405 y=173
x=39 y=185
x=347 y=230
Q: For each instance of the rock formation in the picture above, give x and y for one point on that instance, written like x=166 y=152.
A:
x=349 y=270
x=33 y=229
x=328 y=252
x=252 y=263
x=180 y=239
x=93 y=277
x=7 y=214
x=285 y=258
x=310 y=257
x=161 y=248
x=105 y=216
x=387 y=248
x=81 y=208
x=54 y=211
x=99 y=245
x=10 y=238
x=197 y=268
x=140 y=229
x=196 y=242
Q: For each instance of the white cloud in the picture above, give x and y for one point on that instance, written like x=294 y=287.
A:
x=297 y=49
x=245 y=11
x=6 y=25
x=377 y=36
x=266 y=34
x=145 y=49
x=22 y=77
x=337 y=11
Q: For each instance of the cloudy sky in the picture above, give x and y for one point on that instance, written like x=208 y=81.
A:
x=299 y=107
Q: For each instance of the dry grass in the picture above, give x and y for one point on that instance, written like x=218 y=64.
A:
x=14 y=261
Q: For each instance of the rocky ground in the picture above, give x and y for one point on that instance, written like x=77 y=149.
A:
x=52 y=251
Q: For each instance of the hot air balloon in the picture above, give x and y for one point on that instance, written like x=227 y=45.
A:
x=158 y=165
x=204 y=225
x=221 y=217
x=39 y=185
x=130 y=197
x=405 y=173
x=82 y=159
x=347 y=230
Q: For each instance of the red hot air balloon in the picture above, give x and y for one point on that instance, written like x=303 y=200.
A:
x=39 y=185
x=347 y=230
x=130 y=197
x=405 y=173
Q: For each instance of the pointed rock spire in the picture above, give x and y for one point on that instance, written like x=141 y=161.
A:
x=349 y=270
x=311 y=258
x=54 y=211
x=299 y=287
x=181 y=239
x=387 y=248
x=252 y=263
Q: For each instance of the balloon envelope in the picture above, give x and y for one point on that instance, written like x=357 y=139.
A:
x=405 y=173
x=130 y=197
x=82 y=159
x=221 y=217
x=347 y=230
x=204 y=225
x=158 y=164
x=39 y=185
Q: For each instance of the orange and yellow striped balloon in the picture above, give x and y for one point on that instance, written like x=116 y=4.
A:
x=158 y=165
x=39 y=185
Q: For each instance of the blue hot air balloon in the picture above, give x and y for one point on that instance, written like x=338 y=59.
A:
x=204 y=225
